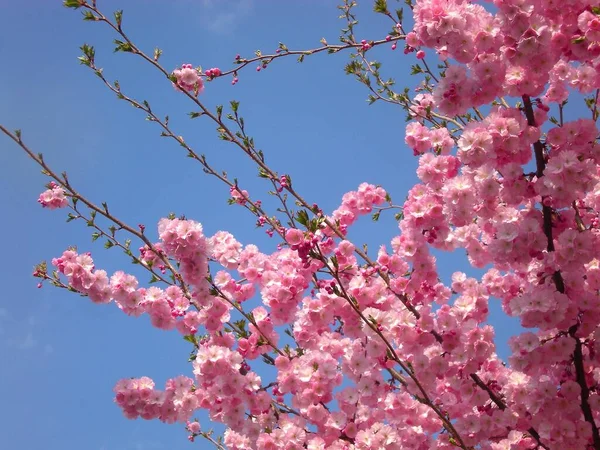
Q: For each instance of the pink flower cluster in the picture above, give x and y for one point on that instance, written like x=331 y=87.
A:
x=227 y=388
x=358 y=203
x=54 y=197
x=185 y=241
x=83 y=276
x=262 y=336
x=517 y=51
x=421 y=104
x=188 y=79
x=239 y=196
x=421 y=139
x=454 y=28
x=384 y=354
x=168 y=308
x=282 y=278
x=138 y=398
x=163 y=306
x=225 y=249
x=213 y=73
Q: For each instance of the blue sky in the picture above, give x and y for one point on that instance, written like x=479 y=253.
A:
x=61 y=355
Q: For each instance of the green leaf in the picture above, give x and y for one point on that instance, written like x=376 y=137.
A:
x=119 y=18
x=122 y=46
x=375 y=216
x=154 y=279
x=399 y=14
x=75 y=4
x=190 y=338
x=195 y=114
x=416 y=69
x=108 y=244
x=380 y=6
x=352 y=67
x=88 y=55
x=234 y=105
x=302 y=217
x=88 y=15
x=95 y=236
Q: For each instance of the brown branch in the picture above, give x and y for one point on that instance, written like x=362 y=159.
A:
x=540 y=161
x=501 y=405
x=585 y=391
x=64 y=183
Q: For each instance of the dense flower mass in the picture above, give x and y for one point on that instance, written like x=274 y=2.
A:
x=380 y=353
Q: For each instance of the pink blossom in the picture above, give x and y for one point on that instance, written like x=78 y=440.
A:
x=54 y=197
x=188 y=79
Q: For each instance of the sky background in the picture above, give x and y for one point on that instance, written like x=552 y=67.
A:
x=60 y=355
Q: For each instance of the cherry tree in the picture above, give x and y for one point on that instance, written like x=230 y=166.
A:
x=375 y=351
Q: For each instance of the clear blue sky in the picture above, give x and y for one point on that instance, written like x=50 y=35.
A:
x=61 y=355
